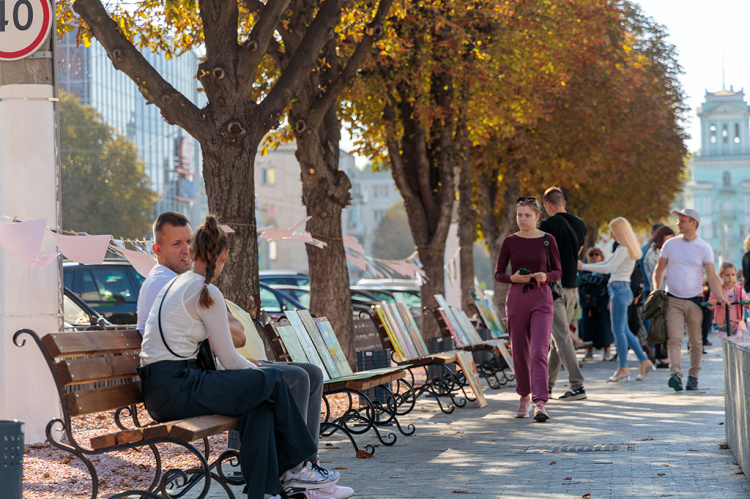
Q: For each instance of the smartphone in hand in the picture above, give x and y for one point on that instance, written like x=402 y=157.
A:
x=524 y=271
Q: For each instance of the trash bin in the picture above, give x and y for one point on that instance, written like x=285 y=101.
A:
x=11 y=459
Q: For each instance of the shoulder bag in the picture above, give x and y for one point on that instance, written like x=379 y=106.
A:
x=205 y=356
x=555 y=287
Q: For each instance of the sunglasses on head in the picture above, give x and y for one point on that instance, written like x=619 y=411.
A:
x=595 y=253
x=525 y=199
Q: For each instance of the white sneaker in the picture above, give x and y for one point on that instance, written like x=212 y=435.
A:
x=330 y=492
x=310 y=477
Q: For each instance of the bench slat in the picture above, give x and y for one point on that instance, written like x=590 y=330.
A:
x=92 y=343
x=202 y=426
x=93 y=369
x=130 y=436
x=103 y=399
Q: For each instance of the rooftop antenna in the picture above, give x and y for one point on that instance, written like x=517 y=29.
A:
x=723 y=87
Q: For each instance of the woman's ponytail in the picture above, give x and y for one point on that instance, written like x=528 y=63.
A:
x=209 y=241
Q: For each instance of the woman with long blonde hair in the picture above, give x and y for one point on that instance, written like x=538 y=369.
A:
x=620 y=265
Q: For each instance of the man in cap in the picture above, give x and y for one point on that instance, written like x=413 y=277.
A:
x=686 y=258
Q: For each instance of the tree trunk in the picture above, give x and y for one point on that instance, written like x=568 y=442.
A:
x=592 y=232
x=325 y=193
x=466 y=228
x=433 y=262
x=229 y=176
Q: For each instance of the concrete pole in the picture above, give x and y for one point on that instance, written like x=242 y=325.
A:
x=29 y=189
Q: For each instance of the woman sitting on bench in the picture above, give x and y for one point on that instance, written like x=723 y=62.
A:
x=273 y=433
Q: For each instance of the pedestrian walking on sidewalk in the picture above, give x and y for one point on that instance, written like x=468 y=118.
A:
x=733 y=292
x=685 y=258
x=620 y=266
x=569 y=232
x=535 y=264
x=595 y=323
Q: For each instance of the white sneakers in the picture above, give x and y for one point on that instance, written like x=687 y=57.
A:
x=330 y=492
x=309 y=477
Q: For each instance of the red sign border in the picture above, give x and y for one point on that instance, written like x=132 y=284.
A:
x=38 y=41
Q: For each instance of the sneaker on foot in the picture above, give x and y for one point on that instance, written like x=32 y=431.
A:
x=310 y=477
x=523 y=407
x=692 y=383
x=675 y=382
x=578 y=394
x=607 y=357
x=330 y=492
x=588 y=357
x=540 y=413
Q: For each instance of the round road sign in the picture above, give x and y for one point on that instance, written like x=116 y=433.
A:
x=24 y=27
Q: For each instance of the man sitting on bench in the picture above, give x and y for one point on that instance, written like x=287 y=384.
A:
x=172 y=236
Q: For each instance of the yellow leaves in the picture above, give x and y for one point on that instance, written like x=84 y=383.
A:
x=627 y=48
x=563 y=83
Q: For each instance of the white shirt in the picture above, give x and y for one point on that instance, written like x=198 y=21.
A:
x=685 y=261
x=157 y=278
x=620 y=266
x=185 y=322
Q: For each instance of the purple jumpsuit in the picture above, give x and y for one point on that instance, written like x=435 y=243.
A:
x=530 y=311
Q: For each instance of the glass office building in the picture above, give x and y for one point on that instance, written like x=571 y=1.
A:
x=172 y=157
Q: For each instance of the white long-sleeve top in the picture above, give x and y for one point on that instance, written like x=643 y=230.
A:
x=185 y=322
x=619 y=265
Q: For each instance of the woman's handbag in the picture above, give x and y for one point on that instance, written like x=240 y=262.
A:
x=555 y=287
x=205 y=355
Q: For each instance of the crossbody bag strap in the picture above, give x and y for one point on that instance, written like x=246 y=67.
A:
x=572 y=230
x=546 y=250
x=162 y=332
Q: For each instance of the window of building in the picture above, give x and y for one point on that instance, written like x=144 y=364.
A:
x=726 y=178
x=269 y=176
x=380 y=191
x=378 y=214
x=712 y=129
x=736 y=133
x=725 y=134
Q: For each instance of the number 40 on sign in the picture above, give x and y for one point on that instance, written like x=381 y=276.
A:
x=24 y=27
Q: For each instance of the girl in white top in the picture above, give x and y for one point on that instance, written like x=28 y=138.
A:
x=620 y=266
x=273 y=434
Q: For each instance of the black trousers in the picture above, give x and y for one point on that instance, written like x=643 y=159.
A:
x=273 y=433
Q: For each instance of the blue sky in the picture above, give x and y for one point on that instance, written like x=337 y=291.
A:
x=700 y=30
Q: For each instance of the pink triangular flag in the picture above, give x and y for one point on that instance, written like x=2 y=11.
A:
x=23 y=239
x=358 y=262
x=141 y=262
x=351 y=242
x=90 y=250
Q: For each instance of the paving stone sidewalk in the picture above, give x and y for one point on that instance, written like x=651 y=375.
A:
x=662 y=444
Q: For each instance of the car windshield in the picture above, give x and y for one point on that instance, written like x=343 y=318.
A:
x=74 y=314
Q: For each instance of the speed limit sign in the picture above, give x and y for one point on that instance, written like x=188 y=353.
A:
x=24 y=27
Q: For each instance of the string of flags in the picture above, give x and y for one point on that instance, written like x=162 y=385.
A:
x=24 y=239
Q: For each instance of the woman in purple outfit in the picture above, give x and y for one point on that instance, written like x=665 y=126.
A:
x=529 y=304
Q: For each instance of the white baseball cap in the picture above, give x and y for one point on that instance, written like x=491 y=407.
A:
x=688 y=212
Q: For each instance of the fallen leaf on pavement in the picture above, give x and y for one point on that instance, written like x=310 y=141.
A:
x=740 y=472
x=363 y=454
x=723 y=446
x=340 y=468
x=552 y=462
x=567 y=478
x=586 y=496
x=692 y=450
x=661 y=474
x=463 y=492
x=645 y=439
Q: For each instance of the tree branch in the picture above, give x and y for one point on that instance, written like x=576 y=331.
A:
x=373 y=30
x=303 y=60
x=220 y=23
x=260 y=38
x=174 y=106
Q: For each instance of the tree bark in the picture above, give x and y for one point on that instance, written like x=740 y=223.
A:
x=467 y=216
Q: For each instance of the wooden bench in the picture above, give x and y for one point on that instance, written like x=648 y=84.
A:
x=96 y=371
x=399 y=333
x=301 y=338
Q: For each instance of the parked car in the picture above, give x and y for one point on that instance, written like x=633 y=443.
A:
x=274 y=302
x=110 y=288
x=411 y=297
x=302 y=295
x=78 y=315
x=288 y=277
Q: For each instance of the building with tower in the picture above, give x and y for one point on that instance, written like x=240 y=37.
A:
x=719 y=183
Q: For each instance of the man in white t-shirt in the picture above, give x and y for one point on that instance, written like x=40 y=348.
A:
x=687 y=257
x=172 y=238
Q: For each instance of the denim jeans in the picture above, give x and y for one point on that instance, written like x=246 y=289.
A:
x=620 y=297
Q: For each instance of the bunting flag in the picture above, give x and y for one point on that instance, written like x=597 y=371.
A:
x=141 y=262
x=23 y=239
x=82 y=249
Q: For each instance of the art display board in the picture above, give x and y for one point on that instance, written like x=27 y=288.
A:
x=466 y=361
x=395 y=343
x=507 y=356
x=303 y=320
x=334 y=347
x=498 y=316
x=451 y=323
x=397 y=325
x=411 y=337
x=299 y=350
x=489 y=318
x=411 y=325
x=465 y=323
x=458 y=337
